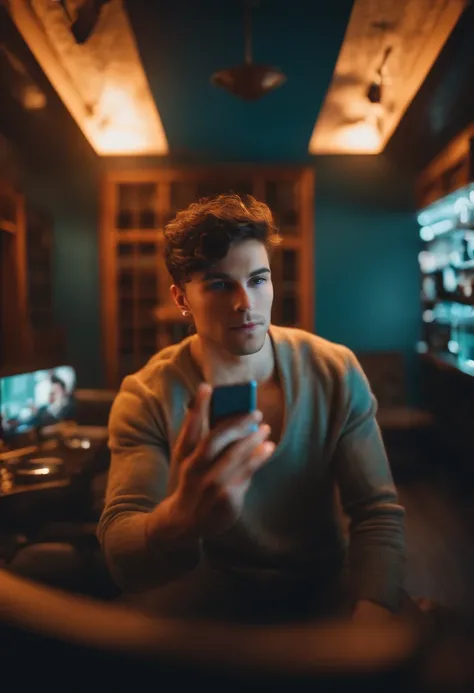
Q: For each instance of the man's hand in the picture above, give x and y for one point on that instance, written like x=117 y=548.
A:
x=370 y=613
x=210 y=472
x=194 y=429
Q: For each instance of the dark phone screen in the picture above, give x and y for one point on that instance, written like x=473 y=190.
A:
x=231 y=400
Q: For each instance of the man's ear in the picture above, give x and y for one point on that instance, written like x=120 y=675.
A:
x=179 y=298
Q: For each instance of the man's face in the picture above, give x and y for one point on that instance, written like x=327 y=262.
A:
x=231 y=303
x=56 y=393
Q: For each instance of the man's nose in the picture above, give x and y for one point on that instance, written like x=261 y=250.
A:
x=242 y=302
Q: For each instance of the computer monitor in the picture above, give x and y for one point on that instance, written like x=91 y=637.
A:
x=32 y=401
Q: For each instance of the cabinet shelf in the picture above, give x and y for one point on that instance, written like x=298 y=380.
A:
x=445 y=194
x=447 y=298
x=139 y=235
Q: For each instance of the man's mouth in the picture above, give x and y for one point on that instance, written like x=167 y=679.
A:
x=245 y=326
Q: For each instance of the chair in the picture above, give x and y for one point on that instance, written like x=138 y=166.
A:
x=408 y=431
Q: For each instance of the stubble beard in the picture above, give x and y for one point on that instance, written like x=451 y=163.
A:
x=252 y=346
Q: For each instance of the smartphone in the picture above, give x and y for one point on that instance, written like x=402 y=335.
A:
x=232 y=400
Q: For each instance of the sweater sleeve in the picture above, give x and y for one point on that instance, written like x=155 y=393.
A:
x=137 y=483
x=369 y=498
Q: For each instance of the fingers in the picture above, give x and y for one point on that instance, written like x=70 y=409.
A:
x=195 y=426
x=202 y=405
x=225 y=486
x=258 y=458
x=224 y=434
x=244 y=457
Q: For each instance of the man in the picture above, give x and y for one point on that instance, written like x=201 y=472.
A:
x=231 y=523
x=60 y=406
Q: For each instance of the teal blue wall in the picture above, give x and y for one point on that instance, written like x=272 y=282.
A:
x=69 y=187
x=366 y=269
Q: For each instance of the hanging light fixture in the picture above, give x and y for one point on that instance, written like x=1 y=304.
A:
x=249 y=81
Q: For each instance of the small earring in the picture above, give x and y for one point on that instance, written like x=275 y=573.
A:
x=185 y=313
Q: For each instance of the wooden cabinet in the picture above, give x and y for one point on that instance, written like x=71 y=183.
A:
x=39 y=252
x=138 y=316
x=451 y=170
x=47 y=342
x=13 y=267
x=28 y=333
x=446 y=218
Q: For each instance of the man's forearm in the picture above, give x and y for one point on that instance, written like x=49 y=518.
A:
x=166 y=535
x=377 y=553
x=146 y=550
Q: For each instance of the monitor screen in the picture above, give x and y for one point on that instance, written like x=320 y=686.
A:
x=31 y=401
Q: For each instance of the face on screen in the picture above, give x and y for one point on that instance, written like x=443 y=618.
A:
x=32 y=401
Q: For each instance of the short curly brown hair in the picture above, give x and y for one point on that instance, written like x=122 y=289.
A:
x=201 y=235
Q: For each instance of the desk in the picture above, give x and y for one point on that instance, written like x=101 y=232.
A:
x=66 y=494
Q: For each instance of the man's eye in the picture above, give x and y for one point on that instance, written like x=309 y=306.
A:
x=218 y=286
x=258 y=280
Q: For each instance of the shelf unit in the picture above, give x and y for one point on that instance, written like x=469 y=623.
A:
x=450 y=171
x=138 y=316
x=13 y=279
x=445 y=193
x=39 y=234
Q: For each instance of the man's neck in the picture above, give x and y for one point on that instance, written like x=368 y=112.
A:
x=220 y=367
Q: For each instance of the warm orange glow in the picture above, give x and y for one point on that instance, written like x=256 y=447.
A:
x=113 y=140
x=121 y=129
x=105 y=90
x=361 y=138
x=416 y=33
x=33 y=98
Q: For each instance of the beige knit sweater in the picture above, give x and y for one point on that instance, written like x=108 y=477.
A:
x=290 y=527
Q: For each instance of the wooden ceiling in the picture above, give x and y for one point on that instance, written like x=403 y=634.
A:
x=444 y=105
x=101 y=81
x=394 y=45
x=277 y=129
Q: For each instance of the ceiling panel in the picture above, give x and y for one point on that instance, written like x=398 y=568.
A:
x=388 y=50
x=183 y=43
x=444 y=105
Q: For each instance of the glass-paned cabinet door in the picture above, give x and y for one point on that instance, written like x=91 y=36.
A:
x=126 y=365
x=147 y=194
x=147 y=283
x=172 y=327
x=169 y=333
x=125 y=311
x=216 y=186
x=136 y=206
x=282 y=196
x=182 y=194
x=286 y=303
x=136 y=300
x=146 y=298
x=39 y=237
